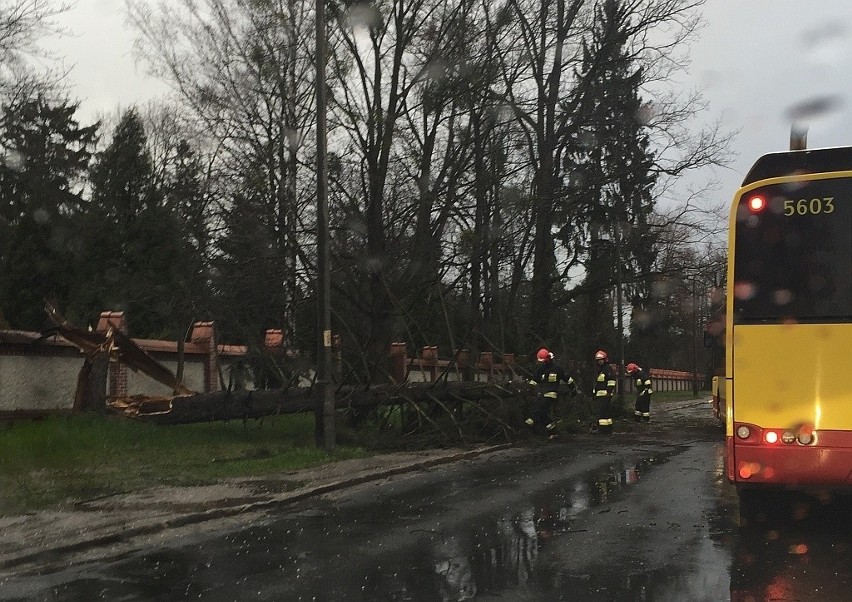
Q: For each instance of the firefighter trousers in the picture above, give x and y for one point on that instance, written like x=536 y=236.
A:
x=642 y=409
x=540 y=411
x=603 y=409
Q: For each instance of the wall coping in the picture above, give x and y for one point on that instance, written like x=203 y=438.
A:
x=24 y=337
x=31 y=339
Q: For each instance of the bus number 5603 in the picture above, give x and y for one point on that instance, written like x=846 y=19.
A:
x=809 y=207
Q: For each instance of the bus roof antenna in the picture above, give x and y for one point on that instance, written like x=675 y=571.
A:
x=798 y=137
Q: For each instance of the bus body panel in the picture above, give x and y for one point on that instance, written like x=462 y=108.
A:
x=793 y=374
x=786 y=377
x=794 y=465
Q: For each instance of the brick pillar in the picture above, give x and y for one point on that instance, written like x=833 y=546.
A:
x=486 y=363
x=508 y=366
x=117 y=371
x=429 y=359
x=398 y=357
x=274 y=339
x=462 y=359
x=204 y=333
x=274 y=343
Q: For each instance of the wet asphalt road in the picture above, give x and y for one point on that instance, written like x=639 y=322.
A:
x=644 y=515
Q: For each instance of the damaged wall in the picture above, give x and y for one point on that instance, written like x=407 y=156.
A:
x=39 y=375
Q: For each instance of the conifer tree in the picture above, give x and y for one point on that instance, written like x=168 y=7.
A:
x=137 y=254
x=45 y=155
x=248 y=272
x=612 y=164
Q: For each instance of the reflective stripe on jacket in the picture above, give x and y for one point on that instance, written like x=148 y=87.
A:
x=643 y=382
x=548 y=376
x=604 y=381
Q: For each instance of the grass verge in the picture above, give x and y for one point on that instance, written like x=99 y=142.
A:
x=672 y=396
x=58 y=461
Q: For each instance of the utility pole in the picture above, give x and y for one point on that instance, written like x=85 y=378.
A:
x=694 y=337
x=324 y=409
x=619 y=318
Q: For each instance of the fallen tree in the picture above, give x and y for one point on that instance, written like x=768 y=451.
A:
x=234 y=405
x=447 y=412
x=454 y=410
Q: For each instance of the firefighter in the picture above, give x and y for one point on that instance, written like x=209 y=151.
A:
x=642 y=411
x=547 y=377
x=603 y=391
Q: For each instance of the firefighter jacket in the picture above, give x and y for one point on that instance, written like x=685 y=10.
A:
x=548 y=376
x=604 y=382
x=643 y=382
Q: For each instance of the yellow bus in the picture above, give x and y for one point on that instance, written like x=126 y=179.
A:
x=788 y=326
x=718 y=398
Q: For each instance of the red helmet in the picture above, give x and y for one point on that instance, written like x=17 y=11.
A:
x=601 y=355
x=631 y=368
x=543 y=355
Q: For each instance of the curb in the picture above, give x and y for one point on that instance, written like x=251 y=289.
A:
x=283 y=500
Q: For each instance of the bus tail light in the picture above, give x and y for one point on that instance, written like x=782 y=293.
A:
x=806 y=434
x=756 y=204
x=751 y=434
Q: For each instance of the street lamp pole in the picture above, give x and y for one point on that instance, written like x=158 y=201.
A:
x=324 y=409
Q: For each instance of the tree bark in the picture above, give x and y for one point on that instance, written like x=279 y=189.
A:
x=91 y=383
x=235 y=405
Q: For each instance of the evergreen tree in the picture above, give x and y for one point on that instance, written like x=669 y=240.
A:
x=184 y=195
x=45 y=154
x=613 y=179
x=137 y=255
x=249 y=275
x=186 y=200
x=248 y=280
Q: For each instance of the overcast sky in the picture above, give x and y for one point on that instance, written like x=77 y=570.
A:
x=756 y=59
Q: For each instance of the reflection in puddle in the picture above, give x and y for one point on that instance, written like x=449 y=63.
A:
x=496 y=554
x=802 y=551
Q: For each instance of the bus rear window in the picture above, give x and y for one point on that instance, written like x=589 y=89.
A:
x=793 y=252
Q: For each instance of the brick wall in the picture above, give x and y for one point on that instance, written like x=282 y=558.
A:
x=431 y=365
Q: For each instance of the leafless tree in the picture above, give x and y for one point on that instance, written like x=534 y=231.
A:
x=544 y=88
x=243 y=70
x=23 y=23
x=450 y=121
x=395 y=71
